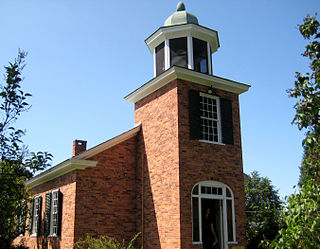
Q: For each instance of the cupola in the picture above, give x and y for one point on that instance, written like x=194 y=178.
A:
x=183 y=42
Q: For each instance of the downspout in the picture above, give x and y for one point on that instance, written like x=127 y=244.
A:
x=142 y=198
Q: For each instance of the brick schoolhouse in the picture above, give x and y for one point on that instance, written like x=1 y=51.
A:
x=182 y=157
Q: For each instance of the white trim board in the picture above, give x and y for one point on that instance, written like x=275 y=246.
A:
x=176 y=72
x=79 y=161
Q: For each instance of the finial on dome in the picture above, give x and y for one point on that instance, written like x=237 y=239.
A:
x=181 y=16
x=180 y=6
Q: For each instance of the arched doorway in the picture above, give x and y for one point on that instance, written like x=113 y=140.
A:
x=219 y=198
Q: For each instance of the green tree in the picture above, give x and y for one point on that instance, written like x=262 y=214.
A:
x=263 y=209
x=302 y=215
x=16 y=166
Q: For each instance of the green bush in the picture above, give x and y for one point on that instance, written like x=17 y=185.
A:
x=104 y=242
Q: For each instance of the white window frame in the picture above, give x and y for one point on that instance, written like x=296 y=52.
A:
x=52 y=212
x=224 y=199
x=35 y=217
x=218 y=119
x=190 y=54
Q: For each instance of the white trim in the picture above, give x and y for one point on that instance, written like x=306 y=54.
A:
x=176 y=72
x=79 y=161
x=194 y=30
x=154 y=63
x=34 y=217
x=190 y=52
x=166 y=54
x=218 y=120
x=222 y=198
x=209 y=59
x=110 y=143
x=51 y=233
x=59 y=170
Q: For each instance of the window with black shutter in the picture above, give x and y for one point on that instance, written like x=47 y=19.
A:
x=56 y=208
x=21 y=219
x=226 y=121
x=35 y=216
x=31 y=216
x=194 y=114
x=210 y=118
x=47 y=214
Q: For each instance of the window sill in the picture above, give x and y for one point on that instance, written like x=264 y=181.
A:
x=210 y=142
x=232 y=242
x=197 y=243
x=52 y=236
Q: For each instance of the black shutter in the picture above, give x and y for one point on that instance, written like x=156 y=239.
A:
x=39 y=215
x=194 y=114
x=226 y=121
x=59 y=213
x=31 y=216
x=47 y=214
x=21 y=220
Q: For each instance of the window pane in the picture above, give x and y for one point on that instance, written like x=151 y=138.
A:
x=209 y=118
x=195 y=190
x=195 y=219
x=230 y=218
x=178 y=52
x=200 y=55
x=160 y=59
x=228 y=192
x=203 y=190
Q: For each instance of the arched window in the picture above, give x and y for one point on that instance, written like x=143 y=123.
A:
x=217 y=197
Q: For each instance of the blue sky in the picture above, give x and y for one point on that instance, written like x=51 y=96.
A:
x=86 y=55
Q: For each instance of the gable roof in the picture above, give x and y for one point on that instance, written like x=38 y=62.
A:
x=80 y=161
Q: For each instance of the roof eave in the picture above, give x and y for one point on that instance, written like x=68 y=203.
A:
x=177 y=72
x=59 y=170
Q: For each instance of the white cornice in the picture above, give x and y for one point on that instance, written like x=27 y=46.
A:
x=110 y=143
x=194 y=30
x=59 y=170
x=79 y=161
x=176 y=72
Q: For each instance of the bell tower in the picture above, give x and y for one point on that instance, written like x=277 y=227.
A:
x=183 y=42
x=189 y=156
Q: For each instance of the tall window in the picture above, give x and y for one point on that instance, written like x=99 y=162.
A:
x=35 y=216
x=178 y=52
x=210 y=118
x=160 y=63
x=53 y=208
x=219 y=198
x=200 y=55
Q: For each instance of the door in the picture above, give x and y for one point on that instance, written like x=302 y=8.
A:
x=212 y=209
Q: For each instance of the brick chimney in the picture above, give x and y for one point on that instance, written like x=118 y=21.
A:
x=78 y=147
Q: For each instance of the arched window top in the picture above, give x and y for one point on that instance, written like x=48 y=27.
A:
x=215 y=196
x=212 y=189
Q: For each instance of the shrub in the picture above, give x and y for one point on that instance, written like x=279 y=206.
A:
x=104 y=242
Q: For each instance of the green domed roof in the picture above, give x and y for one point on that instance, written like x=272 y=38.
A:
x=181 y=16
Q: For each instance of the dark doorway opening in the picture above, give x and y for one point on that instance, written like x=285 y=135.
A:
x=216 y=215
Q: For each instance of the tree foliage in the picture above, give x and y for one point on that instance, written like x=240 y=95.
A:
x=16 y=166
x=263 y=208
x=302 y=215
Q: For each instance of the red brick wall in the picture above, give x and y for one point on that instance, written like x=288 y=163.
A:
x=96 y=201
x=201 y=161
x=158 y=144
x=106 y=194
x=67 y=185
x=173 y=164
